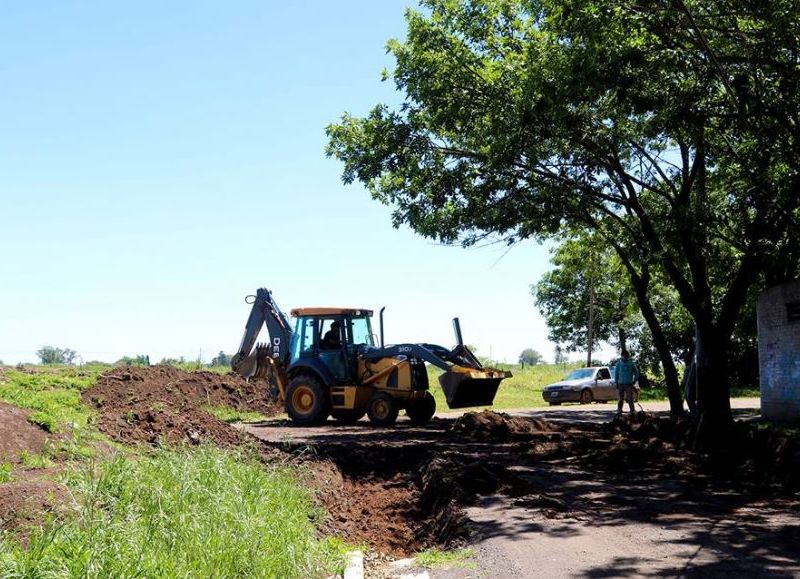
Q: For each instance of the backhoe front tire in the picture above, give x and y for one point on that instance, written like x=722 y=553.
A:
x=382 y=409
x=421 y=410
x=306 y=400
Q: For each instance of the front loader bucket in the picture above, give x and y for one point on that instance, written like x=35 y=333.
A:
x=471 y=388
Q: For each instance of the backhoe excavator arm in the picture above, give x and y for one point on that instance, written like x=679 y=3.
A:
x=265 y=359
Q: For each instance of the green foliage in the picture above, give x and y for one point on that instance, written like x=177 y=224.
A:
x=140 y=360
x=53 y=394
x=51 y=355
x=586 y=264
x=34 y=460
x=227 y=414
x=530 y=357
x=668 y=130
x=198 y=513
x=585 y=277
x=44 y=419
x=436 y=559
x=221 y=359
x=6 y=472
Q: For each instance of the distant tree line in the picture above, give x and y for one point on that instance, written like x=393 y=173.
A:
x=51 y=355
x=140 y=360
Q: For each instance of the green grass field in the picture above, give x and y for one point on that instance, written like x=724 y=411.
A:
x=199 y=512
x=202 y=512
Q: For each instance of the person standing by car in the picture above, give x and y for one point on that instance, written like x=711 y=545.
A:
x=625 y=376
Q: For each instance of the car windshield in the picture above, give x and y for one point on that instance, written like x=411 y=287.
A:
x=580 y=374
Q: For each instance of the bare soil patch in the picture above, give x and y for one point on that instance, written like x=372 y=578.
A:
x=18 y=435
x=164 y=404
x=27 y=504
x=28 y=499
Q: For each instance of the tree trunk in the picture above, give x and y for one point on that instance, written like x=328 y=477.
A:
x=713 y=390
x=661 y=345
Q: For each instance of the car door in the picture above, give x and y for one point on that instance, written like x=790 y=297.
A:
x=605 y=390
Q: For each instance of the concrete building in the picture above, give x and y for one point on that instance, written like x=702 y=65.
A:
x=779 y=351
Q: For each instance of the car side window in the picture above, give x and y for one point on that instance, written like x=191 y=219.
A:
x=603 y=374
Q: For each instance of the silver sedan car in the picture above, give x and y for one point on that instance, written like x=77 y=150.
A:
x=584 y=385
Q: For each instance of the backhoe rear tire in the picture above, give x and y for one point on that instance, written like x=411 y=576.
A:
x=306 y=400
x=382 y=409
x=421 y=410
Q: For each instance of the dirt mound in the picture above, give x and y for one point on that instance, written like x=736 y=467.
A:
x=25 y=505
x=497 y=426
x=162 y=403
x=17 y=435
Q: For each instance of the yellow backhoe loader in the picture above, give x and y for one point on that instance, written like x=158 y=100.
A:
x=328 y=364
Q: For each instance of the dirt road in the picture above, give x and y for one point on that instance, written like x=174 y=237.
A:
x=567 y=491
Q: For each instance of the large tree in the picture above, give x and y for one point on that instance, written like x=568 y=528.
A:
x=668 y=128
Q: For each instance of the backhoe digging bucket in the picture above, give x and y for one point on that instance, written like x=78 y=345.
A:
x=471 y=387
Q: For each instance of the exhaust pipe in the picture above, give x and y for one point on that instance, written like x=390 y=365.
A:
x=381 y=317
x=457 y=328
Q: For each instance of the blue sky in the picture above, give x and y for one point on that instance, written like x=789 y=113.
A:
x=161 y=160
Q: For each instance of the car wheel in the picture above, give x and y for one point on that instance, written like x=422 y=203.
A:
x=586 y=396
x=382 y=410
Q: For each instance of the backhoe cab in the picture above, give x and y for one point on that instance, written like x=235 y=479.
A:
x=328 y=364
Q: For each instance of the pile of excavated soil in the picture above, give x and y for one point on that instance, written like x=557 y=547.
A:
x=17 y=435
x=497 y=426
x=164 y=404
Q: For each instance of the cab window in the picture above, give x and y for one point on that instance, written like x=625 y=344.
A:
x=303 y=337
x=603 y=374
x=330 y=334
x=360 y=331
